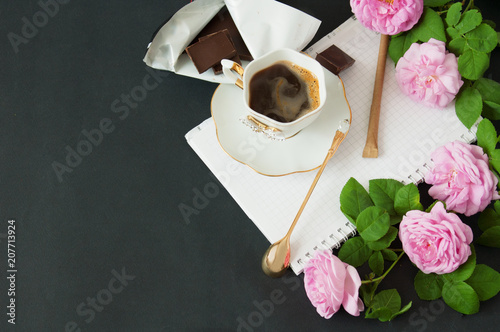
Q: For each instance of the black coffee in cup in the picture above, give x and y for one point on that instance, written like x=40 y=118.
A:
x=284 y=91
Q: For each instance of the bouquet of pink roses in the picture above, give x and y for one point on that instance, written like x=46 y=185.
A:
x=441 y=50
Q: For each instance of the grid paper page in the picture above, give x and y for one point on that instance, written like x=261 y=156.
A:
x=408 y=132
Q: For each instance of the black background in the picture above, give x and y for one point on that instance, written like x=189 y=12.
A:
x=118 y=210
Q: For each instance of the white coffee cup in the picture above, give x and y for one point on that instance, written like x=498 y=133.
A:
x=261 y=123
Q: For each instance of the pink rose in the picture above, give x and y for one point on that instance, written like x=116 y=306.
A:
x=461 y=177
x=436 y=242
x=389 y=17
x=428 y=74
x=329 y=282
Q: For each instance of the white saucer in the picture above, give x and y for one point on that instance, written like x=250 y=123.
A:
x=301 y=153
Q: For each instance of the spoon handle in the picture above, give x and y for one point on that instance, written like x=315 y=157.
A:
x=337 y=139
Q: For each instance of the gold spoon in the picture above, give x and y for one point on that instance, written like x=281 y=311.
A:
x=276 y=259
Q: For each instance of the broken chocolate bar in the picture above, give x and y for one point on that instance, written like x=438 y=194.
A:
x=217 y=68
x=221 y=21
x=210 y=51
x=334 y=59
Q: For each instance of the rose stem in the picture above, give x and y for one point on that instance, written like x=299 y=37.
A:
x=379 y=279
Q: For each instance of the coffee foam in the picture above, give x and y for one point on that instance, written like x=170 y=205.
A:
x=289 y=102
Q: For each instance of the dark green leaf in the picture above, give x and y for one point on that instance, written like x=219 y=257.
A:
x=482 y=39
x=383 y=193
x=400 y=44
x=385 y=241
x=430 y=26
x=464 y=271
x=458 y=45
x=490 y=23
x=354 y=198
x=407 y=199
x=487 y=136
x=354 y=251
x=488 y=218
x=376 y=263
x=435 y=3
x=432 y=205
x=469 y=20
x=373 y=223
x=495 y=159
x=453 y=14
x=389 y=255
x=490 y=238
x=428 y=286
x=485 y=281
x=461 y=297
x=367 y=292
x=396 y=219
x=469 y=106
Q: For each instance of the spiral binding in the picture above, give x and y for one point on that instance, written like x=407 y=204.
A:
x=333 y=241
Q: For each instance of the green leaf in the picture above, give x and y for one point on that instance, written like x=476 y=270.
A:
x=490 y=92
x=376 y=263
x=472 y=64
x=487 y=136
x=354 y=198
x=367 y=292
x=384 y=305
x=389 y=255
x=453 y=14
x=428 y=286
x=491 y=110
x=429 y=26
x=482 y=39
x=382 y=314
x=485 y=281
x=385 y=241
x=383 y=193
x=355 y=251
x=435 y=3
x=490 y=237
x=464 y=271
x=489 y=89
x=469 y=20
x=407 y=199
x=490 y=23
x=461 y=297
x=432 y=205
x=373 y=223
x=458 y=45
x=402 y=311
x=468 y=106
x=453 y=33
x=400 y=44
x=495 y=159
x=489 y=217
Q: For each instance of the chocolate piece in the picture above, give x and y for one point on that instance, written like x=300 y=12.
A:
x=334 y=59
x=221 y=21
x=210 y=51
x=217 y=68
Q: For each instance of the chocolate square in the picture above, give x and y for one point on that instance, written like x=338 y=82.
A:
x=211 y=50
x=221 y=21
x=334 y=59
x=217 y=68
